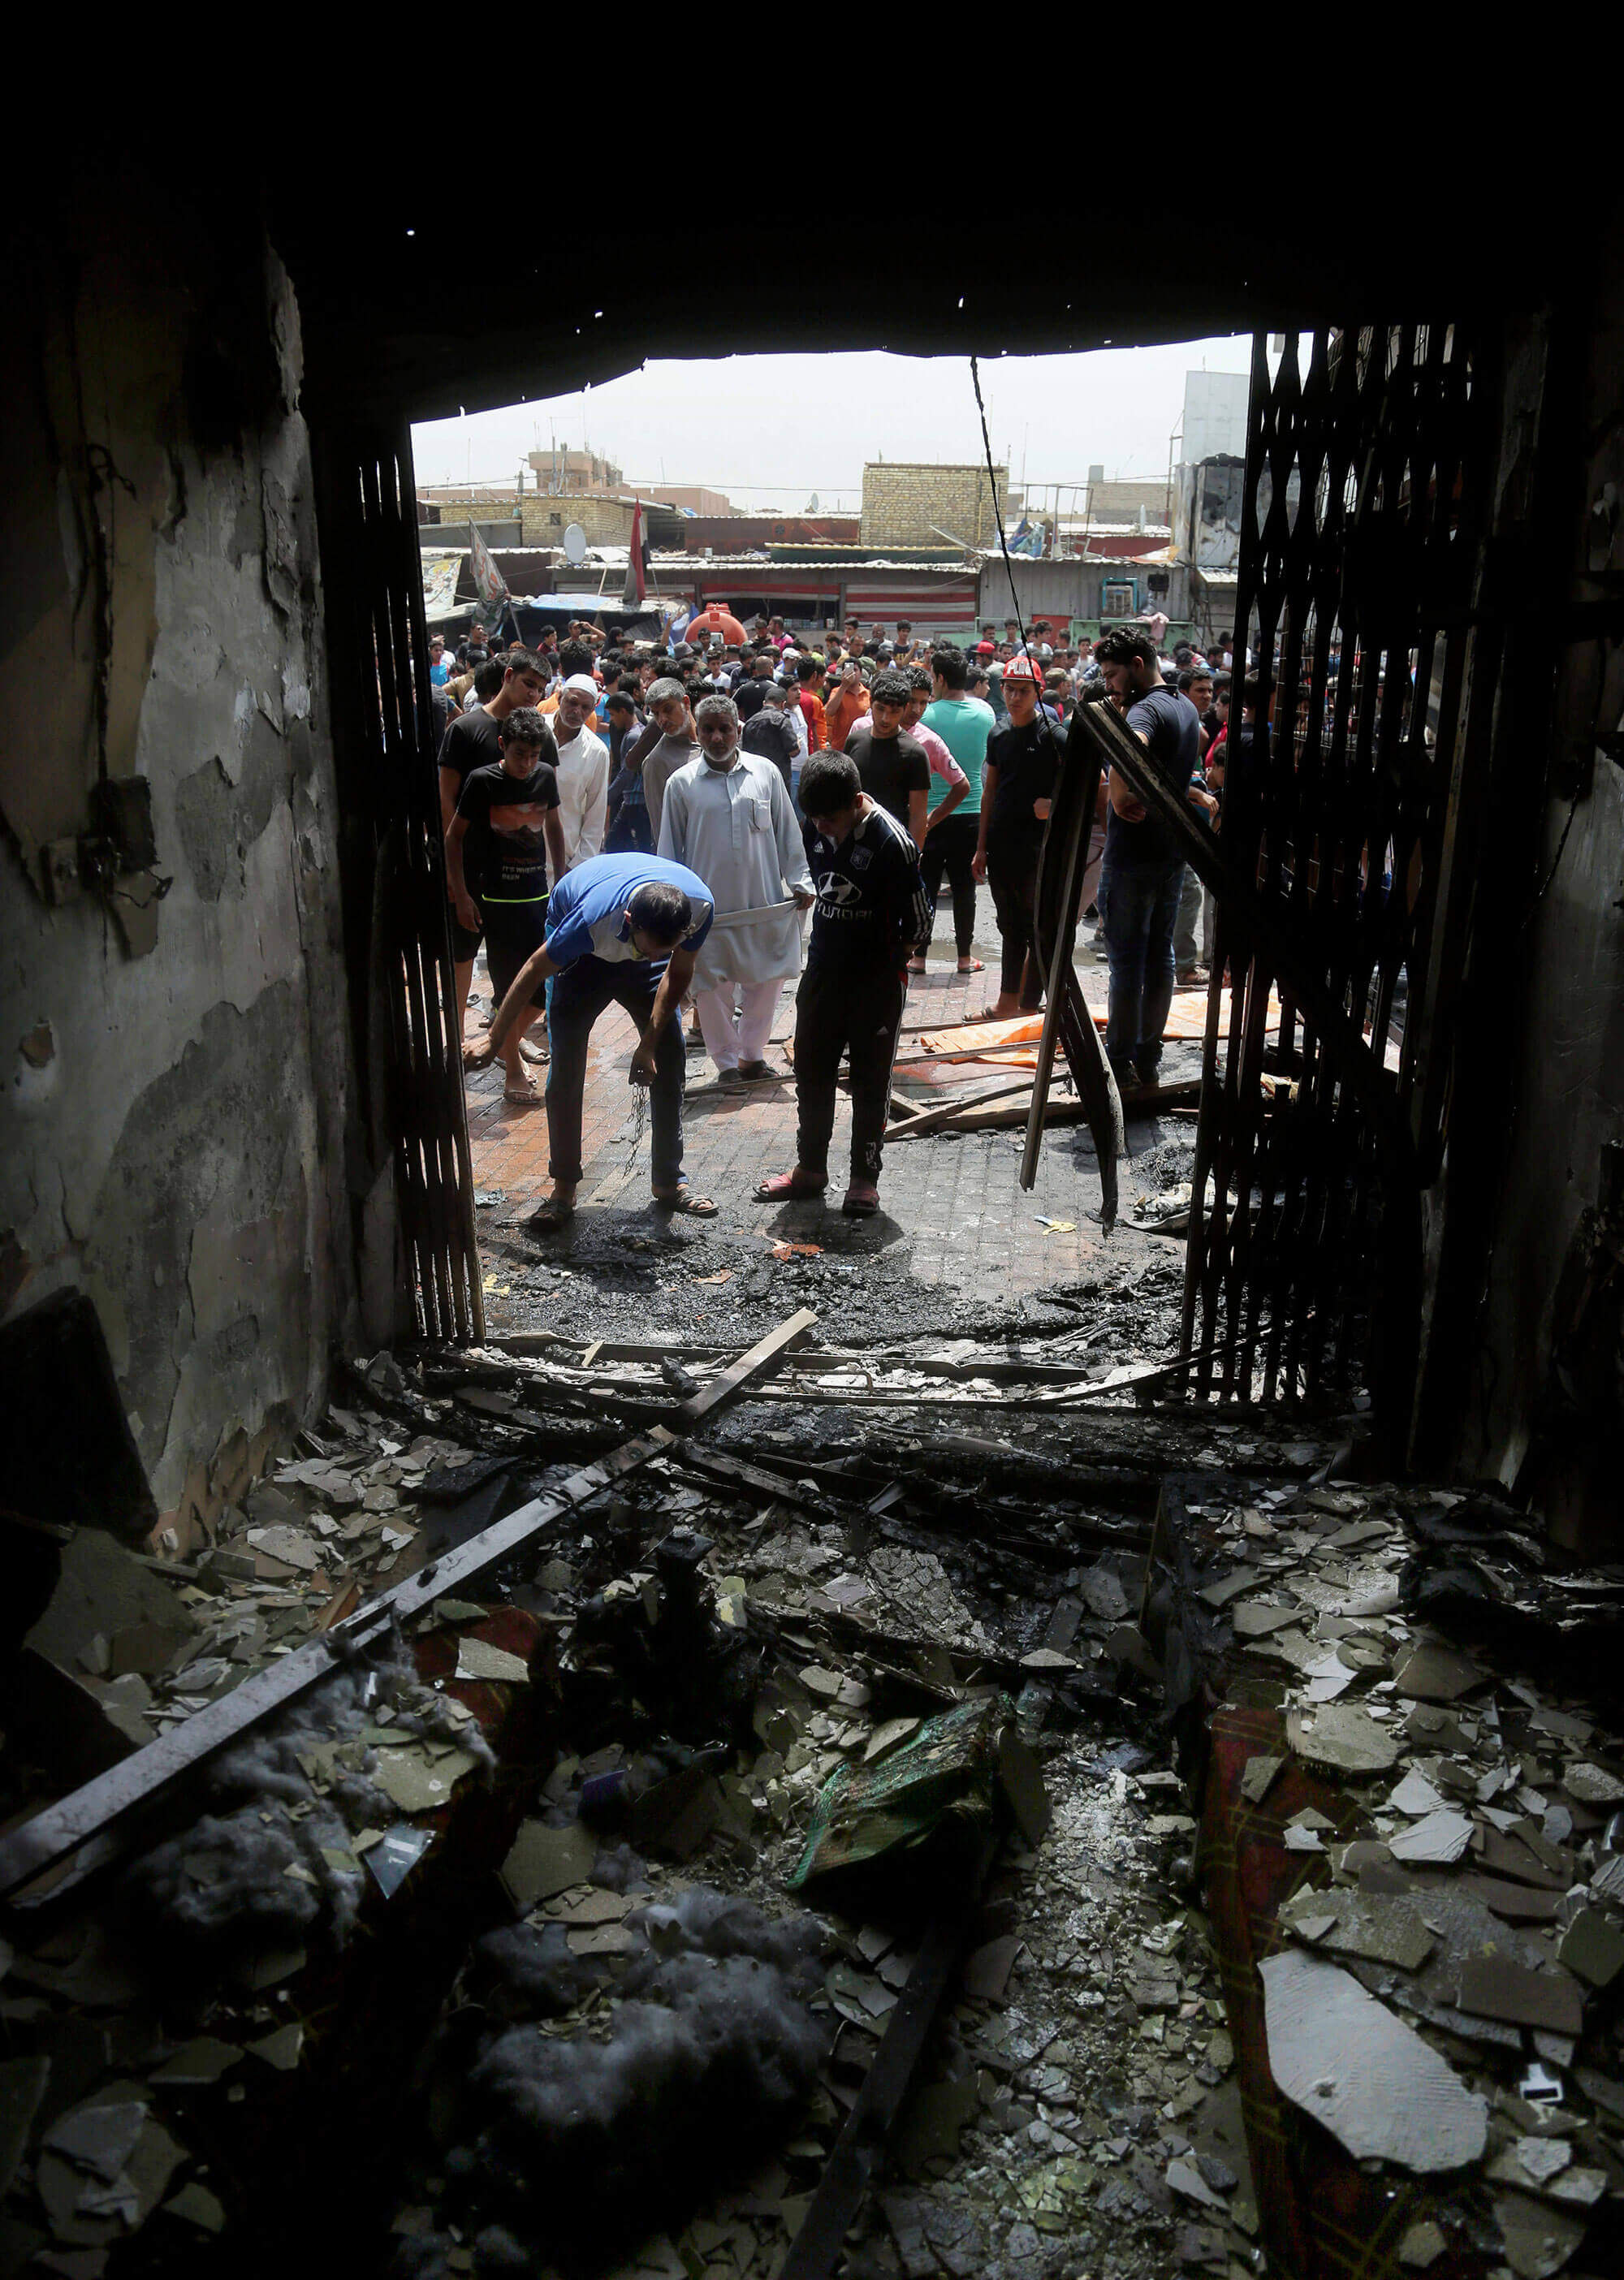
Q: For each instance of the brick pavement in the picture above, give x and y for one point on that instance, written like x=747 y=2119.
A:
x=954 y=1201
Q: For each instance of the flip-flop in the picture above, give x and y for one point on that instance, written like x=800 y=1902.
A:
x=916 y=966
x=974 y=966
x=530 y=1098
x=856 y=1207
x=549 y=1217
x=988 y=1014
x=784 y=1188
x=687 y=1205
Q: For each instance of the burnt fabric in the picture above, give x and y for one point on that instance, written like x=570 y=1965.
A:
x=711 y=2049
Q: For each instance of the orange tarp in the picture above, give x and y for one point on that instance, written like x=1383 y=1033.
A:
x=1187 y=1020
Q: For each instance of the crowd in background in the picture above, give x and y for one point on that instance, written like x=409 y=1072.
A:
x=720 y=753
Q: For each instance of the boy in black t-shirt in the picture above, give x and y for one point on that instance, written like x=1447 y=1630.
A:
x=892 y=765
x=872 y=909
x=474 y=741
x=506 y=828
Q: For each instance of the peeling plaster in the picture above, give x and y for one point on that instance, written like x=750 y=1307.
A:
x=181 y=1152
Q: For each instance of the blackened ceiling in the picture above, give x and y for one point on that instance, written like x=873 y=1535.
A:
x=408 y=308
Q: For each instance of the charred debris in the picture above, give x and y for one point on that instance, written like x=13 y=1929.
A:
x=937 y=1808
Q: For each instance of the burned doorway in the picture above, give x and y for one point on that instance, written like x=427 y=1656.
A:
x=416 y=1241
x=1371 y=460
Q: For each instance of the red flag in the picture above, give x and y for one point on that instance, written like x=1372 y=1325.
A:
x=636 y=585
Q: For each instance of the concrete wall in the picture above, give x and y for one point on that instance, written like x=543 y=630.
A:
x=912 y=506
x=1121 y=501
x=177 y=1068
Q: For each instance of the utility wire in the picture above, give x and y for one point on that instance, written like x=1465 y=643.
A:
x=1009 y=567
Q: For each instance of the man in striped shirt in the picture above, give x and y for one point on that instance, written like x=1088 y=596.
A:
x=872 y=909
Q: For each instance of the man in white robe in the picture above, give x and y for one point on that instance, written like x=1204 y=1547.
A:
x=728 y=810
x=582 y=767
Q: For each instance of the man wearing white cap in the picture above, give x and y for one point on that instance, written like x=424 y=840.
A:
x=582 y=767
x=729 y=813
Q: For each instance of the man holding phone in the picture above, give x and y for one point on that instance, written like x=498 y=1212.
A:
x=847 y=706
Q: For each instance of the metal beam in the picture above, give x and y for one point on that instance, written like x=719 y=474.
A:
x=1067 y=1015
x=1279 y=943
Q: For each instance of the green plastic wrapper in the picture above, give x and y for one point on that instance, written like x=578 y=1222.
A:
x=950 y=1771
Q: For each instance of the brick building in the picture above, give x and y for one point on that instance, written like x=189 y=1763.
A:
x=606 y=522
x=572 y=471
x=911 y=505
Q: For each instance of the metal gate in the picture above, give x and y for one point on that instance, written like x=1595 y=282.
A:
x=403 y=1001
x=1370 y=460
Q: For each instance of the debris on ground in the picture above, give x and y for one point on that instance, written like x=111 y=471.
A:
x=1141 y=1650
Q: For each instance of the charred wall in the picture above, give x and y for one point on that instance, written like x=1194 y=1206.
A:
x=178 y=1047
x=1542 y=1396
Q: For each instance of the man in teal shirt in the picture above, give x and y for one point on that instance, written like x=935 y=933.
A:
x=964 y=724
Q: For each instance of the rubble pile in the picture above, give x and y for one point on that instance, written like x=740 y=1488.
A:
x=1079 y=2087
x=809 y=1687
x=1442 y=1970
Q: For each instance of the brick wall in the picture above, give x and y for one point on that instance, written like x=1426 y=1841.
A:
x=902 y=502
x=606 y=522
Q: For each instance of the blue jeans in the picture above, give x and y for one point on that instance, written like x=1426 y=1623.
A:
x=579 y=995
x=1138 y=910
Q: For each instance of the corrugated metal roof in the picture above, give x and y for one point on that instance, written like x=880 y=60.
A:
x=702 y=565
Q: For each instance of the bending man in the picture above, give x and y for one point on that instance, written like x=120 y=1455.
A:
x=623 y=929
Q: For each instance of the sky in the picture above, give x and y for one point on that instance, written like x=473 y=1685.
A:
x=771 y=430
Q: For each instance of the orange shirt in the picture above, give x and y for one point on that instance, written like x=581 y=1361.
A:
x=841 y=713
x=816 y=725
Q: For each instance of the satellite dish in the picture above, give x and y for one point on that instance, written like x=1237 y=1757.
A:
x=574 y=545
x=811 y=504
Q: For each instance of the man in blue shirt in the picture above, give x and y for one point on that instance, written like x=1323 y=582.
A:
x=622 y=929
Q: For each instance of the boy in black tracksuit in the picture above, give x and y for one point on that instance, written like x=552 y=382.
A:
x=871 y=910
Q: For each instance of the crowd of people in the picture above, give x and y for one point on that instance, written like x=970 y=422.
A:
x=651 y=828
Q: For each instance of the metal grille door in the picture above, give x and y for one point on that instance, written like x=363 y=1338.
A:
x=397 y=916
x=1348 y=803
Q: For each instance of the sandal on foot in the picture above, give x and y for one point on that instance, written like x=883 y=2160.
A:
x=538 y=1056
x=689 y=1204
x=549 y=1217
x=784 y=1188
x=528 y=1096
x=975 y=966
x=916 y=966
x=860 y=1205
